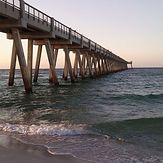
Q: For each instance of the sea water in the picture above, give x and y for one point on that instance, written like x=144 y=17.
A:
x=113 y=118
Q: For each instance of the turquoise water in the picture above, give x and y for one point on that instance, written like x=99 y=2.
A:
x=119 y=116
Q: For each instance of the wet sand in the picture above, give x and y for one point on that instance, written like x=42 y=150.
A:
x=14 y=151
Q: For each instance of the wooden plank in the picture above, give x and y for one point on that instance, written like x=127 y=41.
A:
x=38 y=59
x=12 y=66
x=22 y=62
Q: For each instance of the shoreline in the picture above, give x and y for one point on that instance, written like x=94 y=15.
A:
x=14 y=151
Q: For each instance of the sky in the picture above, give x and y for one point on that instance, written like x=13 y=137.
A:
x=132 y=29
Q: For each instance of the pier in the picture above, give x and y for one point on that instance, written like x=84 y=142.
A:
x=20 y=20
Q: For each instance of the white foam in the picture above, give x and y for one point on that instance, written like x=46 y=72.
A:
x=44 y=129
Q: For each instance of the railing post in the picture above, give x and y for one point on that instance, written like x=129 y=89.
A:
x=5 y=3
x=89 y=45
x=13 y=4
x=52 y=28
x=70 y=34
x=23 y=21
x=81 y=41
x=95 y=47
x=52 y=23
x=22 y=9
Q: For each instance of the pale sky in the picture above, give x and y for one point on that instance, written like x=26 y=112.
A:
x=132 y=29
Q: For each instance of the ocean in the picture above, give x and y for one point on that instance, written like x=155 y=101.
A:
x=113 y=118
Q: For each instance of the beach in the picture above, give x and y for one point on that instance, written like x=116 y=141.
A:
x=14 y=151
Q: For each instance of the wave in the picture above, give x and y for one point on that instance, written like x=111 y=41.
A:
x=142 y=124
x=44 y=129
x=138 y=97
x=144 y=131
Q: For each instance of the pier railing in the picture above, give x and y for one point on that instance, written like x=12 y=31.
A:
x=13 y=3
x=37 y=14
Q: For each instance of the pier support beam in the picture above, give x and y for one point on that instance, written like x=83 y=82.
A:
x=81 y=73
x=106 y=65
x=65 y=70
x=109 y=65
x=54 y=57
x=51 y=61
x=12 y=66
x=30 y=58
x=22 y=62
x=83 y=63
x=38 y=59
x=75 y=70
x=102 y=66
x=68 y=64
x=130 y=65
x=112 y=66
x=94 y=65
x=89 y=65
x=99 y=66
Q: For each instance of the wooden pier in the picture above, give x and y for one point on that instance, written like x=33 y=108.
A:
x=20 y=20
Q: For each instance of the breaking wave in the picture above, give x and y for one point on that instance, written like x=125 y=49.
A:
x=43 y=129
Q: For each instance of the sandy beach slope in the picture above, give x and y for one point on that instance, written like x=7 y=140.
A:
x=13 y=151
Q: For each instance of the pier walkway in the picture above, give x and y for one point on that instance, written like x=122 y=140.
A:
x=20 y=20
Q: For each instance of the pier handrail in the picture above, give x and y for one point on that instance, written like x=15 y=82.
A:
x=35 y=13
x=13 y=3
x=58 y=26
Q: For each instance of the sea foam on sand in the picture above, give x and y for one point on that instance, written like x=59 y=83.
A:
x=14 y=151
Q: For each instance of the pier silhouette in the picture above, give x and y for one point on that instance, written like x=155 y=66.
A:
x=20 y=20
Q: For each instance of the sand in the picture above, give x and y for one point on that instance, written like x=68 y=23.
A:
x=14 y=151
